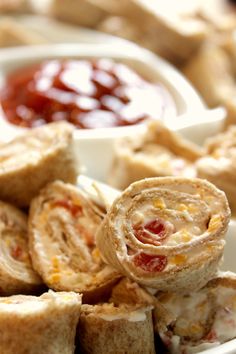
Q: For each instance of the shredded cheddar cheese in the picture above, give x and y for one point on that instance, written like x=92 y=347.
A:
x=96 y=254
x=8 y=242
x=55 y=277
x=214 y=223
x=216 y=154
x=178 y=259
x=195 y=328
x=182 y=207
x=211 y=247
x=76 y=201
x=185 y=236
x=55 y=262
x=159 y=204
x=190 y=208
x=164 y=163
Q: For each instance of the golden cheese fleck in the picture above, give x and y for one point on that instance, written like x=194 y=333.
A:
x=159 y=203
x=214 y=223
x=76 y=201
x=195 y=328
x=185 y=236
x=8 y=242
x=55 y=278
x=96 y=254
x=182 y=207
x=164 y=163
x=190 y=207
x=55 y=262
x=178 y=259
x=216 y=154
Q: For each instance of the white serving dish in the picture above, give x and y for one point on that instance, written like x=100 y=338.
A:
x=95 y=146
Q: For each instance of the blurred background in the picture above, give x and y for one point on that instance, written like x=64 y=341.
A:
x=198 y=36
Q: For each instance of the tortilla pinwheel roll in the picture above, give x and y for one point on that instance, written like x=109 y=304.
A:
x=202 y=319
x=219 y=165
x=36 y=325
x=108 y=329
x=158 y=152
x=166 y=233
x=62 y=227
x=16 y=272
x=37 y=157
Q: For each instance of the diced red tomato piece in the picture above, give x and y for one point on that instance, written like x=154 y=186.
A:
x=16 y=252
x=76 y=210
x=153 y=232
x=211 y=336
x=150 y=263
x=86 y=235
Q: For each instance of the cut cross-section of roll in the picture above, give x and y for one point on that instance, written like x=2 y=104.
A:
x=62 y=227
x=158 y=152
x=202 y=319
x=36 y=325
x=108 y=329
x=32 y=160
x=16 y=272
x=166 y=233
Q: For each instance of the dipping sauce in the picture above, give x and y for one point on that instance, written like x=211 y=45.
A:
x=87 y=93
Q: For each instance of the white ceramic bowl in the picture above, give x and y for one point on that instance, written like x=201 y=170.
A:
x=95 y=146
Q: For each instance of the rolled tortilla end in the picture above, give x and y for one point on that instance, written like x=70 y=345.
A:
x=108 y=329
x=45 y=324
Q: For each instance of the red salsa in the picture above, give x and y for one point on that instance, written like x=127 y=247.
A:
x=89 y=94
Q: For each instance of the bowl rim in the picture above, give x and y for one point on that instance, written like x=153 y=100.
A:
x=123 y=51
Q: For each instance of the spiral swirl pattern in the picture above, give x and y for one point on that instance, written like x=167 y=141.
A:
x=62 y=226
x=166 y=233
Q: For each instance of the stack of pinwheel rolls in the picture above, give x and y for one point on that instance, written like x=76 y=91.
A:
x=109 y=272
x=32 y=324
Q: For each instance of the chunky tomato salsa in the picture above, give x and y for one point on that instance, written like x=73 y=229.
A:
x=87 y=93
